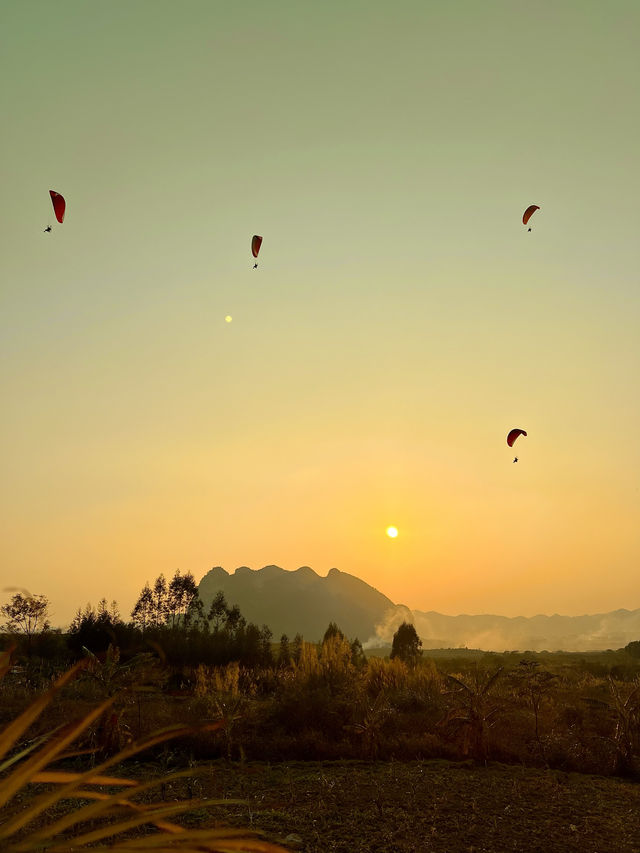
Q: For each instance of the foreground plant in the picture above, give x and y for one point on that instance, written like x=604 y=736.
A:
x=97 y=819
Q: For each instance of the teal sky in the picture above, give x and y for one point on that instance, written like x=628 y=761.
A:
x=401 y=320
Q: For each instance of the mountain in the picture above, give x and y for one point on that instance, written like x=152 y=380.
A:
x=301 y=601
x=537 y=633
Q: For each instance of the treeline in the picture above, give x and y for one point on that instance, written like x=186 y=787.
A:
x=168 y=619
x=291 y=699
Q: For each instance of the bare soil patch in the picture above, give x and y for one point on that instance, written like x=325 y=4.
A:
x=359 y=807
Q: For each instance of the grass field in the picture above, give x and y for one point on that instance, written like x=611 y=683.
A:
x=359 y=807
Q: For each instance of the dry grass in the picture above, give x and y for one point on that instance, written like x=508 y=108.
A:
x=47 y=808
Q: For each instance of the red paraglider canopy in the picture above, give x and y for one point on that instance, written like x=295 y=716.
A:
x=256 y=242
x=513 y=434
x=526 y=216
x=59 y=205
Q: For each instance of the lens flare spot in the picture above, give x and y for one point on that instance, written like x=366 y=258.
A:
x=228 y=318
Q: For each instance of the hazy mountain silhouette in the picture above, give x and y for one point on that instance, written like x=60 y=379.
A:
x=301 y=601
x=537 y=633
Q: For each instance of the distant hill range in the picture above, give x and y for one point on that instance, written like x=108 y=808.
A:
x=301 y=601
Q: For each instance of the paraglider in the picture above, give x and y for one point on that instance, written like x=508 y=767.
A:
x=59 y=205
x=256 y=242
x=511 y=437
x=513 y=434
x=526 y=216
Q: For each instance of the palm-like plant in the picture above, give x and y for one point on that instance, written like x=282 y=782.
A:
x=475 y=709
x=99 y=819
x=624 y=711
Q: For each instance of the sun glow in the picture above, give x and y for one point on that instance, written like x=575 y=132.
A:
x=392 y=532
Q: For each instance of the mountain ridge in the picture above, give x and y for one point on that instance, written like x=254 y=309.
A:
x=302 y=601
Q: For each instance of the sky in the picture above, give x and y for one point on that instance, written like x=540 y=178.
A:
x=401 y=320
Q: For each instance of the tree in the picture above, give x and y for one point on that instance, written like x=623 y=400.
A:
x=633 y=649
x=159 y=599
x=218 y=611
x=284 y=652
x=535 y=684
x=332 y=631
x=183 y=602
x=358 y=657
x=266 y=654
x=95 y=629
x=26 y=614
x=407 y=645
x=475 y=709
x=143 y=611
x=298 y=648
x=235 y=621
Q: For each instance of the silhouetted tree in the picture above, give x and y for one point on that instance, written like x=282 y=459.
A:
x=298 y=645
x=26 y=614
x=407 y=645
x=94 y=629
x=235 y=621
x=218 y=611
x=284 y=652
x=633 y=649
x=358 y=657
x=332 y=631
x=143 y=613
x=159 y=600
x=265 y=645
x=182 y=600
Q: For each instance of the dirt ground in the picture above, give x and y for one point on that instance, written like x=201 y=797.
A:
x=440 y=806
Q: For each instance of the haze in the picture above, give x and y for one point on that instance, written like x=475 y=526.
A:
x=400 y=322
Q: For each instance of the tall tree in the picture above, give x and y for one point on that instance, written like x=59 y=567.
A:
x=332 y=631
x=218 y=611
x=358 y=657
x=159 y=596
x=407 y=645
x=266 y=635
x=183 y=602
x=143 y=613
x=298 y=647
x=235 y=621
x=284 y=652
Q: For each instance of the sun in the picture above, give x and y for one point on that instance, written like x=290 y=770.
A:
x=392 y=532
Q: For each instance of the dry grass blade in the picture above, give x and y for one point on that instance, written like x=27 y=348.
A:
x=71 y=788
x=5 y=765
x=206 y=845
x=103 y=808
x=106 y=802
x=60 y=777
x=24 y=773
x=14 y=731
x=218 y=840
x=147 y=814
